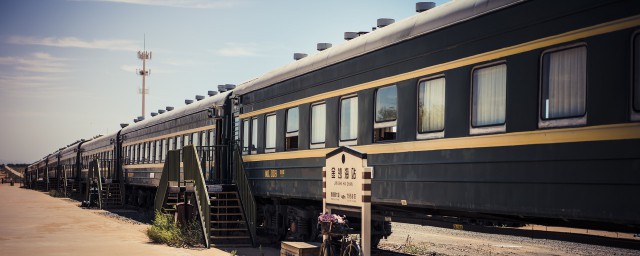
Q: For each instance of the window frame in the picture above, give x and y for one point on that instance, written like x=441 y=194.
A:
x=246 y=142
x=266 y=132
x=635 y=113
x=349 y=142
x=430 y=134
x=490 y=128
x=322 y=144
x=384 y=124
x=288 y=134
x=253 y=137
x=562 y=121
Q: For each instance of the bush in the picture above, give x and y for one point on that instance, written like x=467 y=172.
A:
x=164 y=230
x=55 y=193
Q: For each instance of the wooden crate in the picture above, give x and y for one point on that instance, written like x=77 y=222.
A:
x=299 y=249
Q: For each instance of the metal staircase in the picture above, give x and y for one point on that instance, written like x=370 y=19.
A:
x=229 y=226
x=221 y=207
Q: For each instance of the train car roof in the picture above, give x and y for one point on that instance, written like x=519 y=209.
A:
x=422 y=23
x=99 y=142
x=216 y=100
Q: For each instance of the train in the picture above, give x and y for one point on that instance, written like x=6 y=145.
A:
x=506 y=111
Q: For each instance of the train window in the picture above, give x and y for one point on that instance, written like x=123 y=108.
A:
x=431 y=108
x=564 y=87
x=178 y=142
x=196 y=139
x=348 y=120
x=489 y=99
x=163 y=150
x=636 y=77
x=318 y=125
x=245 y=136
x=171 y=144
x=270 y=133
x=386 y=114
x=291 y=138
x=254 y=135
x=187 y=140
x=152 y=151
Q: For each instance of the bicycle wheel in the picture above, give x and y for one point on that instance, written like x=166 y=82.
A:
x=326 y=249
x=352 y=249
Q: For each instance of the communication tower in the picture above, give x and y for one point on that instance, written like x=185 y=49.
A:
x=144 y=55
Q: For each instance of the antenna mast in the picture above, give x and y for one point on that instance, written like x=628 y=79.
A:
x=144 y=56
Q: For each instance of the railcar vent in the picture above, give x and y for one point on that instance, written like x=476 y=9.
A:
x=161 y=111
x=350 y=35
x=299 y=56
x=169 y=108
x=229 y=87
x=154 y=114
x=362 y=33
x=199 y=97
x=323 y=46
x=123 y=125
x=424 y=6
x=221 y=88
x=212 y=93
x=140 y=118
x=188 y=101
x=135 y=120
x=383 y=22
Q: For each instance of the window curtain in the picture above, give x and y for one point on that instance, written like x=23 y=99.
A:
x=489 y=94
x=318 y=123
x=254 y=134
x=567 y=90
x=349 y=119
x=270 y=141
x=245 y=135
x=431 y=112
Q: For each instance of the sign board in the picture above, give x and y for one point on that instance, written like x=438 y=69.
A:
x=346 y=181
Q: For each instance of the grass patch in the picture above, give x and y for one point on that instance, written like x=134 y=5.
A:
x=56 y=193
x=164 y=230
x=414 y=249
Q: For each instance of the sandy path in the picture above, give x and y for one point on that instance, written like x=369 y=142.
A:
x=33 y=223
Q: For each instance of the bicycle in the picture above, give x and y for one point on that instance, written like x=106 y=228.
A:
x=347 y=244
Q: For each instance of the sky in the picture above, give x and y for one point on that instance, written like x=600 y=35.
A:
x=68 y=67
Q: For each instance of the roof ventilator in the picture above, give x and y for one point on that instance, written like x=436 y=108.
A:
x=229 y=87
x=199 y=97
x=212 y=93
x=188 y=101
x=299 y=55
x=154 y=114
x=424 y=6
x=323 y=46
x=350 y=35
x=169 y=108
x=161 y=111
x=383 y=22
x=221 y=88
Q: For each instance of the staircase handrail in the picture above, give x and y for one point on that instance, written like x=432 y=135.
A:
x=172 y=162
x=193 y=171
x=246 y=194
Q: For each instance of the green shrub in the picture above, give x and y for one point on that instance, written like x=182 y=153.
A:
x=164 y=230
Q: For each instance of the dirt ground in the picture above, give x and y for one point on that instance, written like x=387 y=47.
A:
x=33 y=223
x=426 y=240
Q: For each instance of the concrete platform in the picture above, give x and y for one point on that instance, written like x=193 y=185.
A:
x=33 y=223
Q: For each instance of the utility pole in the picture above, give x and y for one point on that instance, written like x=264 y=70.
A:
x=144 y=56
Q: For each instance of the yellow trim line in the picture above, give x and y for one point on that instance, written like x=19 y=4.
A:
x=487 y=56
x=625 y=131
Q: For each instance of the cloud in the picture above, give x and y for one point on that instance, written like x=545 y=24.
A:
x=237 y=50
x=37 y=62
x=194 y=4
x=38 y=71
x=74 y=42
